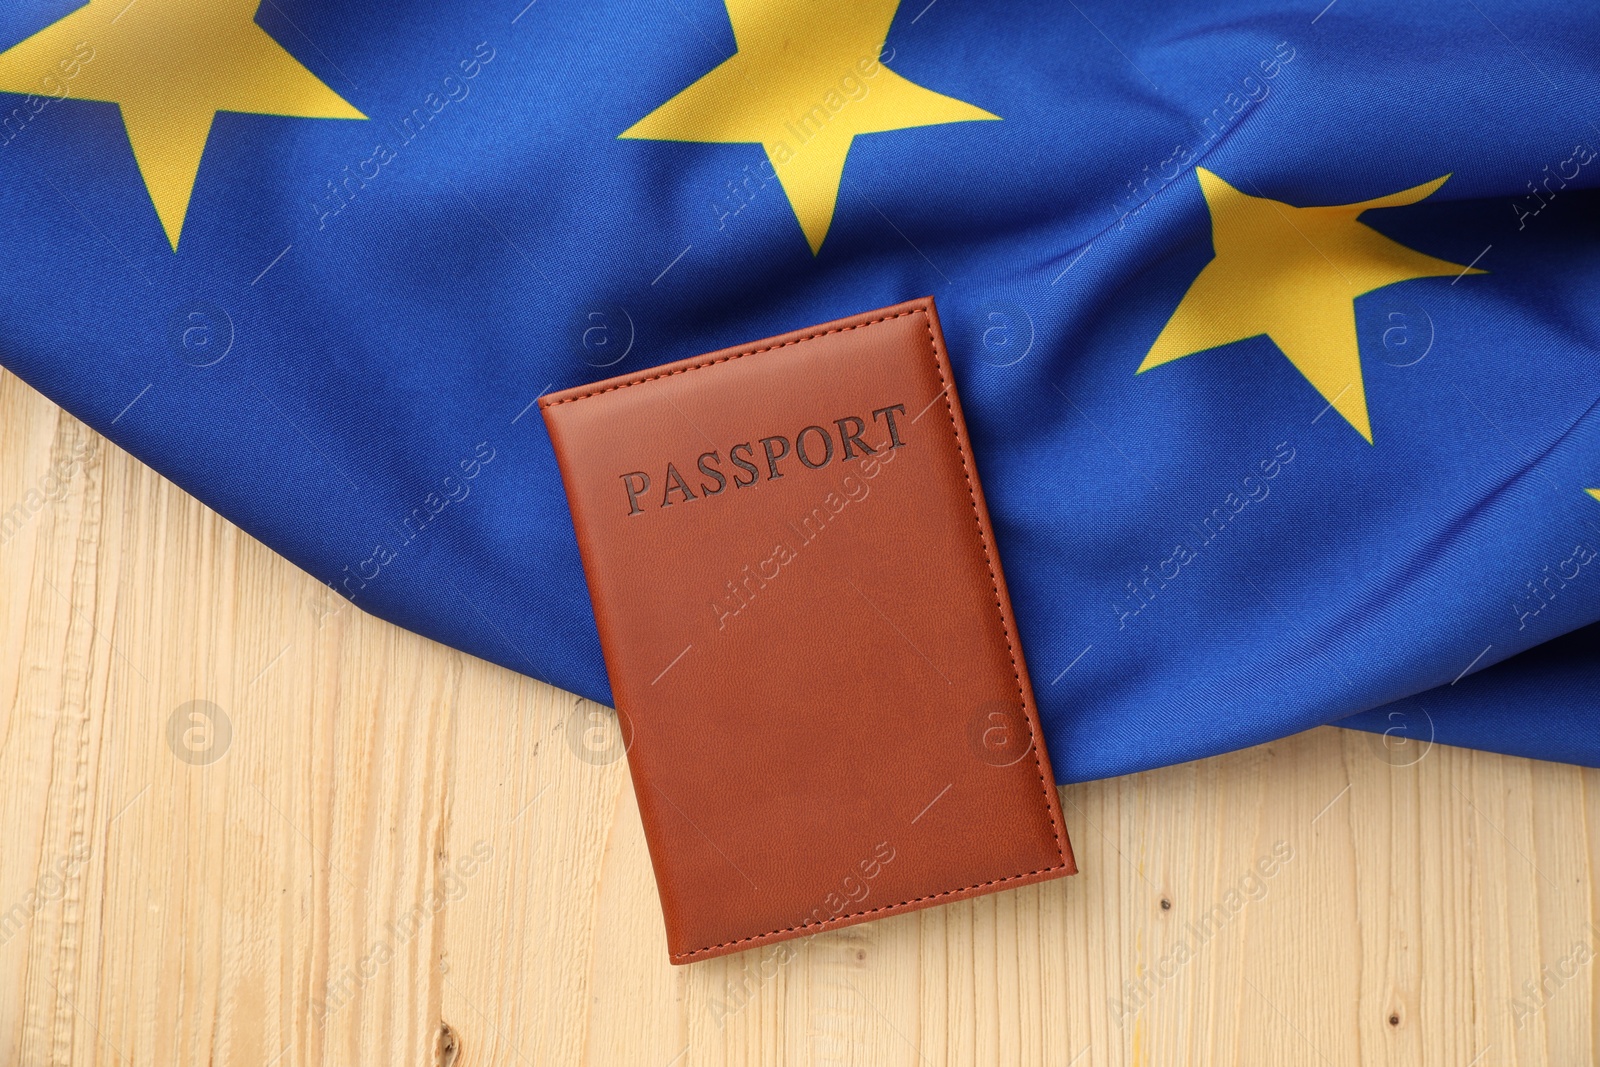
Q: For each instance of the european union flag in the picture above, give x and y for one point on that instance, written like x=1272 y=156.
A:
x=1275 y=322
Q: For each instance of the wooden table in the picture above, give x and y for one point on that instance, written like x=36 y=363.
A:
x=363 y=847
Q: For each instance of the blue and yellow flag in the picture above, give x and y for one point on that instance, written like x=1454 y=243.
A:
x=1277 y=323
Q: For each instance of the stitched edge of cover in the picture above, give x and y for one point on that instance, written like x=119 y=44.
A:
x=739 y=355
x=1034 y=741
x=839 y=920
x=994 y=581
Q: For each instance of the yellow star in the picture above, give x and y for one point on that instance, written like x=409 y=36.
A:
x=1594 y=493
x=1293 y=273
x=170 y=65
x=804 y=83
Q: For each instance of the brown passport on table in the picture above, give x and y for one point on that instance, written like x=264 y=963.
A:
x=807 y=632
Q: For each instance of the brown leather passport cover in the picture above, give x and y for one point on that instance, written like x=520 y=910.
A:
x=807 y=633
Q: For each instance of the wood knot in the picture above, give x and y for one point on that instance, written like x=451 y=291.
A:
x=447 y=1046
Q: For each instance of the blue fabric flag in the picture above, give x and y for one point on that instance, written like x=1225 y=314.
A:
x=1275 y=322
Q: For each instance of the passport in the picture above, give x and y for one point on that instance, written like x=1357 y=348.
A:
x=818 y=677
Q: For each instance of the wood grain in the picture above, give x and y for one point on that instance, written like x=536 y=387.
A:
x=396 y=854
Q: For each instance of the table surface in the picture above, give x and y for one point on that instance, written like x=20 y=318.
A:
x=364 y=847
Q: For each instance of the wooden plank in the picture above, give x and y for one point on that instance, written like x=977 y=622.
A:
x=366 y=848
